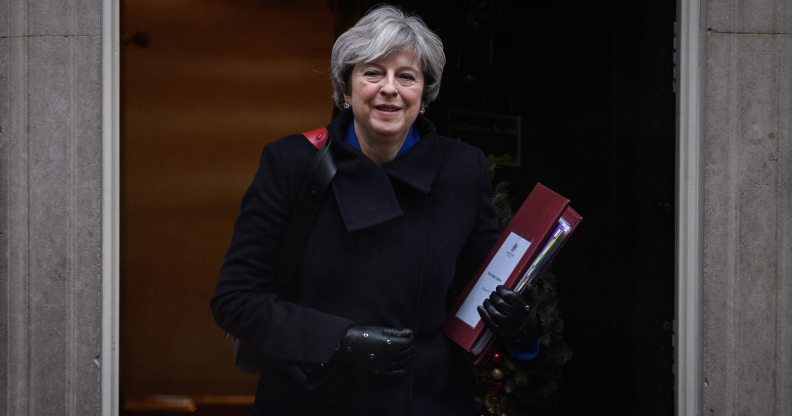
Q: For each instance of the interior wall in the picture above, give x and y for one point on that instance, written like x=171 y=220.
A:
x=205 y=84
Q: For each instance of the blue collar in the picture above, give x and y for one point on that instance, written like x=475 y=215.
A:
x=412 y=137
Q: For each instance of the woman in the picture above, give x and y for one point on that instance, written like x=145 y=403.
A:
x=407 y=219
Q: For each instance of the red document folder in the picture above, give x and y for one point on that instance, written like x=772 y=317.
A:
x=525 y=247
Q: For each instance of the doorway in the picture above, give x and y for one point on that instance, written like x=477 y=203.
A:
x=596 y=105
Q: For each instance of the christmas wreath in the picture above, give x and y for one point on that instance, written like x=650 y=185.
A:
x=506 y=387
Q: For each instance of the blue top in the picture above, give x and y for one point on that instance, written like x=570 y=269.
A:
x=521 y=355
x=412 y=138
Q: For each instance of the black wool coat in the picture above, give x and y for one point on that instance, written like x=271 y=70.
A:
x=390 y=246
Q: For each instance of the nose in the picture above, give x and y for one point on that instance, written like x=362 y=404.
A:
x=389 y=87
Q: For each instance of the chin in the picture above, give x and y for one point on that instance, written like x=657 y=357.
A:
x=389 y=130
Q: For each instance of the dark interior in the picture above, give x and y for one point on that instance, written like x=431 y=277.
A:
x=593 y=85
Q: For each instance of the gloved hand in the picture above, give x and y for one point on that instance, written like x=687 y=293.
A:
x=379 y=350
x=510 y=315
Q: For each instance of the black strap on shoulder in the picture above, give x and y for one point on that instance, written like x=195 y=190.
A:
x=302 y=219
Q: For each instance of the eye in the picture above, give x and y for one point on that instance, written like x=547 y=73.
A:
x=371 y=73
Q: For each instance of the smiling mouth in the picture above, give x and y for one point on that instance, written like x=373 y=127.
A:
x=388 y=108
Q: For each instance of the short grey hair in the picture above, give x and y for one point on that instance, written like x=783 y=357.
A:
x=382 y=31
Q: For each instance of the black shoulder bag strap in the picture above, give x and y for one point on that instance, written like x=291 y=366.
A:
x=303 y=217
x=301 y=220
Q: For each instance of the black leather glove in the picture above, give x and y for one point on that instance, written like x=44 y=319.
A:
x=379 y=350
x=510 y=315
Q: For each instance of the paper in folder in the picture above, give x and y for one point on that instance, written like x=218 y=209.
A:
x=523 y=250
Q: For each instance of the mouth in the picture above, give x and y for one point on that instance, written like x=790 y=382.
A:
x=387 y=108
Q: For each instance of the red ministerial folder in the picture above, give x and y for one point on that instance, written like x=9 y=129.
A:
x=564 y=227
x=523 y=250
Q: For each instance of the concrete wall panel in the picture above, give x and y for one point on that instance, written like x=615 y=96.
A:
x=3 y=210
x=13 y=18
x=50 y=221
x=746 y=212
x=13 y=122
x=719 y=218
x=784 y=296
x=50 y=17
x=50 y=215
x=88 y=19
x=750 y=16
x=87 y=228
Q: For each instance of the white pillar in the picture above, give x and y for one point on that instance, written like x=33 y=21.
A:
x=690 y=58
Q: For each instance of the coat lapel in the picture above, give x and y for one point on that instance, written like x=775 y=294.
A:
x=364 y=191
x=418 y=167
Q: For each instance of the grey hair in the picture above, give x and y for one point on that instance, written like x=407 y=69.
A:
x=382 y=31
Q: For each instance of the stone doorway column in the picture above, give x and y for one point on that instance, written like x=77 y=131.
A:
x=58 y=207
x=734 y=205
x=746 y=255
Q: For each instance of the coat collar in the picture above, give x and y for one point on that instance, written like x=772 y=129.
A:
x=364 y=191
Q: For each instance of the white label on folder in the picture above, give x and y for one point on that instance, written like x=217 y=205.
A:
x=496 y=273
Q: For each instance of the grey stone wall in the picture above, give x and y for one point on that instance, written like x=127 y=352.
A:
x=747 y=167
x=50 y=207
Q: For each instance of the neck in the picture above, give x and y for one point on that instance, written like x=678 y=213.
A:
x=380 y=150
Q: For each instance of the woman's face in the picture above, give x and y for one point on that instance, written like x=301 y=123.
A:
x=386 y=96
